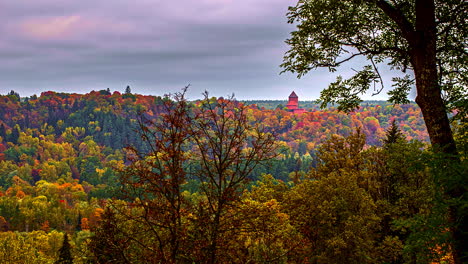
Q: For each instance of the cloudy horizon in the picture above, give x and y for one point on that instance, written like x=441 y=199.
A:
x=156 y=47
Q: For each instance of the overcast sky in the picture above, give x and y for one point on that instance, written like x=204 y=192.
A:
x=155 y=46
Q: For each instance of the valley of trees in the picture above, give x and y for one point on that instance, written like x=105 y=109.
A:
x=125 y=178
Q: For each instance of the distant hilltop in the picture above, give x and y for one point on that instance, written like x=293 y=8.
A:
x=109 y=119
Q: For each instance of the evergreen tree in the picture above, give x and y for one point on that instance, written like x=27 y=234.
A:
x=3 y=132
x=393 y=134
x=14 y=95
x=78 y=222
x=65 y=256
x=15 y=133
x=128 y=90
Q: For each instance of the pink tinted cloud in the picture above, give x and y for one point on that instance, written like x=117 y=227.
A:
x=52 y=27
x=70 y=27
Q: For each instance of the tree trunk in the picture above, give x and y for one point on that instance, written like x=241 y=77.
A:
x=424 y=60
x=429 y=99
x=433 y=109
x=215 y=234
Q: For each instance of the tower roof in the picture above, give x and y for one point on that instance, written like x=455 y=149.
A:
x=293 y=94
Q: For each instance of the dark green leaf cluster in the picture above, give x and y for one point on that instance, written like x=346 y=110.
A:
x=346 y=92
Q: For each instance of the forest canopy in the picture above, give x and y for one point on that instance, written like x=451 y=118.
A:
x=65 y=167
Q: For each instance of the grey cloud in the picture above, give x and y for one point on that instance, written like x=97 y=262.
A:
x=156 y=46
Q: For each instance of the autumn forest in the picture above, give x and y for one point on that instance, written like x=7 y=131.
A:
x=110 y=177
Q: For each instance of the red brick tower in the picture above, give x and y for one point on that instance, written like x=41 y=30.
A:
x=293 y=102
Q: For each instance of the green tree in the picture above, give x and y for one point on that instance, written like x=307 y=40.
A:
x=427 y=37
x=337 y=217
x=15 y=134
x=3 y=133
x=409 y=202
x=65 y=256
x=110 y=242
x=335 y=210
x=393 y=134
x=14 y=95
